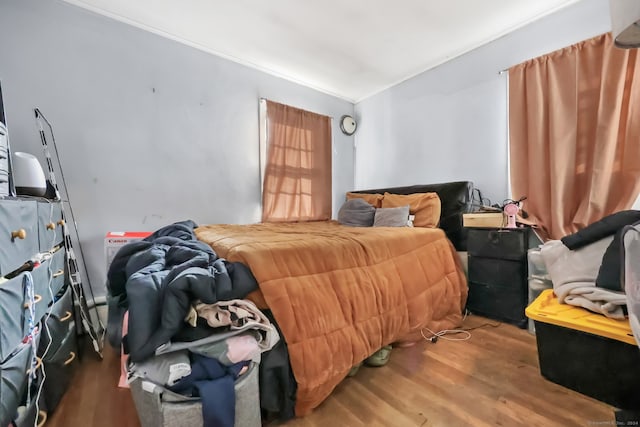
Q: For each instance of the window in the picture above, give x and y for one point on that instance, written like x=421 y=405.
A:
x=296 y=156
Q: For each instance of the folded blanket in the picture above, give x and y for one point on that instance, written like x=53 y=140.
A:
x=611 y=225
x=574 y=273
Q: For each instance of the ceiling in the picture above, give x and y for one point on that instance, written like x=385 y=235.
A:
x=348 y=48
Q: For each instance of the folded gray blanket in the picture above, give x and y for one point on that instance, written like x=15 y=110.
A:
x=574 y=273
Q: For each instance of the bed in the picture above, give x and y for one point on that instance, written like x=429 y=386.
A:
x=339 y=293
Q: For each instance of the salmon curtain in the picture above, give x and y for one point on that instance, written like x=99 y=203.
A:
x=574 y=130
x=297 y=178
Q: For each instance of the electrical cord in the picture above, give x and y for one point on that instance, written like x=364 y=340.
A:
x=435 y=336
x=441 y=334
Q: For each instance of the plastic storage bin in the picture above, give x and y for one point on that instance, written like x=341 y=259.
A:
x=587 y=352
x=498 y=273
x=158 y=407
x=535 y=263
x=538 y=279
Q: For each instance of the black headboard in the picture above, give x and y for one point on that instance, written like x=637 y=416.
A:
x=455 y=198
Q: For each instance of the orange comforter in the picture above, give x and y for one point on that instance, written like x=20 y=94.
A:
x=340 y=293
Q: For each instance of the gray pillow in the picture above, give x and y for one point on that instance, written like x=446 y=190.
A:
x=356 y=213
x=392 y=217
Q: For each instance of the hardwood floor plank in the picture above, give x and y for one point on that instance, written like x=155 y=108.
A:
x=490 y=369
x=492 y=379
x=465 y=388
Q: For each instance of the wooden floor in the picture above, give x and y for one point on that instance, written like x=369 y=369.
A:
x=492 y=379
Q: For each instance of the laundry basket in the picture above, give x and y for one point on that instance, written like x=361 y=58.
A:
x=159 y=407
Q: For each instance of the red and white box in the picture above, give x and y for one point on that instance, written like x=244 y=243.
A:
x=114 y=240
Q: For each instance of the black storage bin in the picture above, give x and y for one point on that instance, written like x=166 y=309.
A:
x=587 y=352
x=498 y=273
x=506 y=305
x=605 y=369
x=501 y=243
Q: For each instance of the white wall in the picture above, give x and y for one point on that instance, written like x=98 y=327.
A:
x=450 y=123
x=149 y=131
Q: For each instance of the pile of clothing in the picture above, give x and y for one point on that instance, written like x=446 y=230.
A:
x=586 y=266
x=189 y=327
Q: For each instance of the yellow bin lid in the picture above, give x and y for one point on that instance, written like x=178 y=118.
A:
x=547 y=309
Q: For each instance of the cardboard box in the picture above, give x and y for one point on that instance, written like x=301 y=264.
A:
x=586 y=352
x=114 y=240
x=484 y=219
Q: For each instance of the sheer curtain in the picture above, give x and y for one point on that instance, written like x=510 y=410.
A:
x=297 y=178
x=574 y=130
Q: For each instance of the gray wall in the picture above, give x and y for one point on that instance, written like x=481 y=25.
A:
x=149 y=131
x=450 y=123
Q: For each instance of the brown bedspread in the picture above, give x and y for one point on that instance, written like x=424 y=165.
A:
x=340 y=293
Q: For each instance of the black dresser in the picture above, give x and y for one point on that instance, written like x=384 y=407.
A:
x=498 y=273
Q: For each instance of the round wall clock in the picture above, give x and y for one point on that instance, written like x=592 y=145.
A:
x=348 y=125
